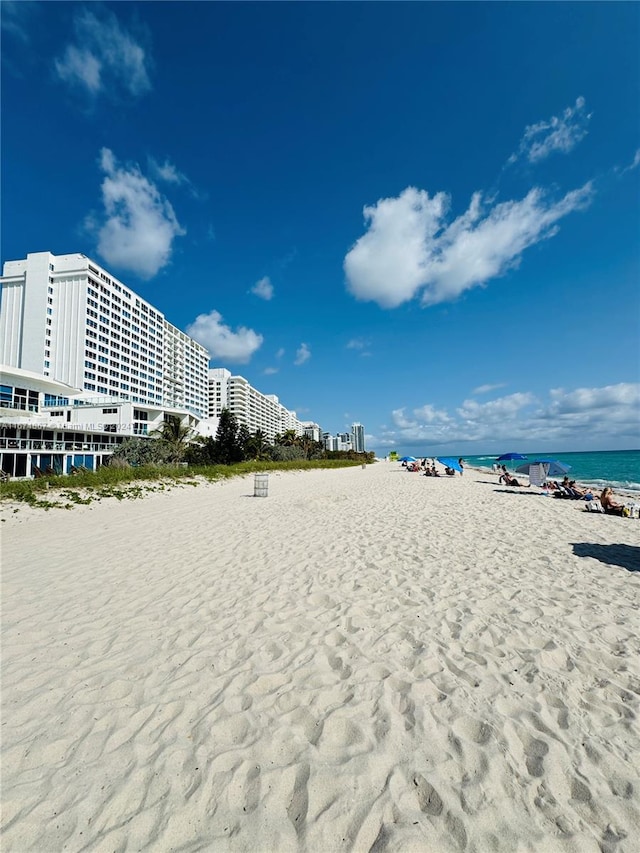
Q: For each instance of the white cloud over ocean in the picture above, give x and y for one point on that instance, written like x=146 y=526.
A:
x=410 y=249
x=221 y=341
x=561 y=420
x=137 y=227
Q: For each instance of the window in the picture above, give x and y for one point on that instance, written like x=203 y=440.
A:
x=109 y=411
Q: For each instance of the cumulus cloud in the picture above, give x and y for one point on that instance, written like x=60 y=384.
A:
x=582 y=400
x=104 y=58
x=559 y=133
x=303 y=353
x=263 y=288
x=574 y=419
x=269 y=371
x=138 y=225
x=409 y=248
x=221 y=341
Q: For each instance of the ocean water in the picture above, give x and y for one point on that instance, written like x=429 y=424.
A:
x=619 y=469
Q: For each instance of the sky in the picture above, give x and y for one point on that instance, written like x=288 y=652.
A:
x=421 y=217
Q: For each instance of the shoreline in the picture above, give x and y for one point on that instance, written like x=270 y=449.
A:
x=363 y=657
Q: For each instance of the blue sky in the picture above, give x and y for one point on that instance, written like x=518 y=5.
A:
x=423 y=217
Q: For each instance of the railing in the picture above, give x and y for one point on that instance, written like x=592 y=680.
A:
x=25 y=407
x=37 y=445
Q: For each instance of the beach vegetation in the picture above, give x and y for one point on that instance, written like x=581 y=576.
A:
x=132 y=482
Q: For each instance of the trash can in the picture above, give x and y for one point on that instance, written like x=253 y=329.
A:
x=261 y=486
x=364 y=465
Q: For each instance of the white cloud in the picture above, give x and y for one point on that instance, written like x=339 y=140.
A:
x=269 y=371
x=485 y=389
x=167 y=172
x=557 y=134
x=280 y=352
x=303 y=353
x=263 y=288
x=495 y=411
x=221 y=341
x=15 y=19
x=105 y=58
x=139 y=225
x=632 y=165
x=410 y=249
x=625 y=394
x=357 y=343
x=584 y=417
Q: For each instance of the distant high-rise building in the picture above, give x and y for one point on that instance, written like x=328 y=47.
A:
x=255 y=410
x=357 y=437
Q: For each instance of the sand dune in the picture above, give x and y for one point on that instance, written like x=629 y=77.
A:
x=366 y=660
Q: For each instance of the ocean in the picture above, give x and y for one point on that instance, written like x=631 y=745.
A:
x=619 y=469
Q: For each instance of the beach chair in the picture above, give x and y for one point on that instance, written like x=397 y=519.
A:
x=593 y=506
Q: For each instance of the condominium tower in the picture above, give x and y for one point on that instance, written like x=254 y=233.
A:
x=66 y=318
x=256 y=410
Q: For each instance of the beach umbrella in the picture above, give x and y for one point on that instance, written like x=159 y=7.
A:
x=407 y=459
x=510 y=457
x=450 y=462
x=552 y=467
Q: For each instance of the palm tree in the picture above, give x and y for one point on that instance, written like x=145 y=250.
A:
x=175 y=437
x=257 y=446
x=288 y=439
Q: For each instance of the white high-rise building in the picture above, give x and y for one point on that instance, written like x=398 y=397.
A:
x=255 y=410
x=357 y=437
x=68 y=319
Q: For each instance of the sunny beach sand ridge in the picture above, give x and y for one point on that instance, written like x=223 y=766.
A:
x=365 y=660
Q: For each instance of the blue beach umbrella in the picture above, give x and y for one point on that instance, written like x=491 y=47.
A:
x=407 y=459
x=510 y=457
x=449 y=462
x=552 y=467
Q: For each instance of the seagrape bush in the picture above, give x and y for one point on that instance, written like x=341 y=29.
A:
x=140 y=451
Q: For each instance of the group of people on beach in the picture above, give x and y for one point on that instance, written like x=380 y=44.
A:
x=427 y=467
x=569 y=489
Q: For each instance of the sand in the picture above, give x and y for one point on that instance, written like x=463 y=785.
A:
x=363 y=660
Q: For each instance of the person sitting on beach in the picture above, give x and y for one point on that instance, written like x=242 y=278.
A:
x=450 y=472
x=511 y=481
x=610 y=506
x=427 y=471
x=504 y=475
x=434 y=473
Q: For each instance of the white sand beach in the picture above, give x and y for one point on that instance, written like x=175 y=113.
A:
x=365 y=660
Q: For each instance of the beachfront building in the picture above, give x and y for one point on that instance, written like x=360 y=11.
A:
x=341 y=441
x=357 y=437
x=313 y=431
x=68 y=319
x=257 y=411
x=46 y=425
x=86 y=363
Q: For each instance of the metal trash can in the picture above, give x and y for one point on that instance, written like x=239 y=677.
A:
x=261 y=486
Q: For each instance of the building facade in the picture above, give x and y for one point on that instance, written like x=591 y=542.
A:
x=357 y=437
x=255 y=410
x=68 y=319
